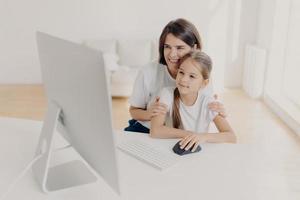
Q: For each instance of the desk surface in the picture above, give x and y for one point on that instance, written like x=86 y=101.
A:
x=219 y=171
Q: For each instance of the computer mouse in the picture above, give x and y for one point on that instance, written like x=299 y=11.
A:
x=181 y=152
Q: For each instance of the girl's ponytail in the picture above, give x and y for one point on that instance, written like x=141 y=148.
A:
x=175 y=114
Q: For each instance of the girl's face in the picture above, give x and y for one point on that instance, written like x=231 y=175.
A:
x=174 y=49
x=189 y=79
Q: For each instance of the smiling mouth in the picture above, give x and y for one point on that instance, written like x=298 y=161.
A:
x=174 y=61
x=183 y=86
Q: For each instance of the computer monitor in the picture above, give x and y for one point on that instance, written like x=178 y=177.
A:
x=79 y=102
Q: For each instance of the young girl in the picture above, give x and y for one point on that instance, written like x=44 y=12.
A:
x=188 y=113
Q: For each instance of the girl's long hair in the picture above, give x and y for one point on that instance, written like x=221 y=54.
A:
x=203 y=61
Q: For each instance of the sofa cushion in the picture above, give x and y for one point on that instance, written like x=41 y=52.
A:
x=105 y=46
x=111 y=61
x=124 y=75
x=134 y=52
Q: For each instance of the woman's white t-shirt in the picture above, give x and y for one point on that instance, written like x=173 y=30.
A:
x=151 y=79
x=194 y=118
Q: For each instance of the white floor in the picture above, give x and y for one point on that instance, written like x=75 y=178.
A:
x=255 y=124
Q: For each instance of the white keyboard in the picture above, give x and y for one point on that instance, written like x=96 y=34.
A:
x=149 y=154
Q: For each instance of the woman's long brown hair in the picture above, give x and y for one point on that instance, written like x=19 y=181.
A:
x=183 y=30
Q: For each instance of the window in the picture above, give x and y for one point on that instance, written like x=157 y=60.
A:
x=291 y=76
x=282 y=88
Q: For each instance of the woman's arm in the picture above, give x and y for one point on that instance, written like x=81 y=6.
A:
x=217 y=106
x=160 y=130
x=154 y=109
x=139 y=114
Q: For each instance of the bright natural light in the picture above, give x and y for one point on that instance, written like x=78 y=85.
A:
x=282 y=83
x=291 y=80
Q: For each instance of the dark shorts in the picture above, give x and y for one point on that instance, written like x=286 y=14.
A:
x=135 y=126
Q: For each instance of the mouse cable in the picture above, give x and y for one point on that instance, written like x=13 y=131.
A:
x=20 y=176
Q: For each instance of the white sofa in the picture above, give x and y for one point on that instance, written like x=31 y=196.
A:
x=122 y=59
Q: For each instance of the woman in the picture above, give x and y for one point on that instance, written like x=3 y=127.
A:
x=177 y=39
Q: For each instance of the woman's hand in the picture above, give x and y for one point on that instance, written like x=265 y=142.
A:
x=192 y=139
x=157 y=108
x=218 y=107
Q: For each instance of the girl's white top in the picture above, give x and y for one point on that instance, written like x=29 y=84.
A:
x=194 y=118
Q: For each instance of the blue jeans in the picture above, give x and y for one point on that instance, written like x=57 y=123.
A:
x=135 y=126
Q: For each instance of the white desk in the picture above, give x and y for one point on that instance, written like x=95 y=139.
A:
x=218 y=172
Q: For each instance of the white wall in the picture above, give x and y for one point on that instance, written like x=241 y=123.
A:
x=86 y=19
x=267 y=36
x=243 y=31
x=265 y=23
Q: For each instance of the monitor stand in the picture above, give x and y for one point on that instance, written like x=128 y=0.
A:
x=61 y=176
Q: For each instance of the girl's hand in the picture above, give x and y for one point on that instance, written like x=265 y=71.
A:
x=218 y=107
x=157 y=108
x=192 y=139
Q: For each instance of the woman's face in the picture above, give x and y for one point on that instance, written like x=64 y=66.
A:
x=174 y=49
